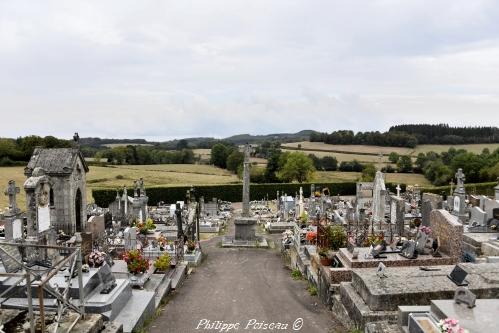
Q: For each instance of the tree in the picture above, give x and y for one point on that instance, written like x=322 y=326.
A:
x=404 y=164
x=393 y=157
x=329 y=163
x=219 y=154
x=295 y=166
x=182 y=144
x=234 y=160
x=272 y=165
x=368 y=173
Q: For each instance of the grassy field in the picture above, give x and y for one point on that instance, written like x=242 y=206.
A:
x=344 y=157
x=358 y=151
x=117 y=176
x=402 y=178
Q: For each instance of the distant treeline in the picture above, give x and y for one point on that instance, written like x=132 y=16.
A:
x=18 y=151
x=411 y=135
x=145 y=155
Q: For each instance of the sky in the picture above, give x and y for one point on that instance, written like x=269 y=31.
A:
x=171 y=69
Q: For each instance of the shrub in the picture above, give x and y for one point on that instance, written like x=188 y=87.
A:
x=163 y=262
x=296 y=274
x=312 y=290
x=337 y=236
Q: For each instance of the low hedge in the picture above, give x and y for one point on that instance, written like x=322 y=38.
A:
x=472 y=188
x=230 y=192
x=233 y=192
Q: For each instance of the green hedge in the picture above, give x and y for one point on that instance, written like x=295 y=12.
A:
x=230 y=192
x=472 y=188
x=233 y=192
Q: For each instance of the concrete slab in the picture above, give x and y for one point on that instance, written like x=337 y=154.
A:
x=139 y=307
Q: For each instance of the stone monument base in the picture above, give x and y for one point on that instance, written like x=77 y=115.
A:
x=258 y=242
x=245 y=229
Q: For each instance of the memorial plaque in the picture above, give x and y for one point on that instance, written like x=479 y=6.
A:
x=458 y=276
x=17 y=229
x=7 y=255
x=463 y=295
x=86 y=243
x=43 y=218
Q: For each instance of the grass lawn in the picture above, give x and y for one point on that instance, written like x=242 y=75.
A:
x=109 y=177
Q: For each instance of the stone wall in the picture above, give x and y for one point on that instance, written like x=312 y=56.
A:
x=449 y=230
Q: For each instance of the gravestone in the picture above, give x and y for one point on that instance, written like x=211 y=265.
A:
x=13 y=229
x=246 y=181
x=449 y=231
x=478 y=217
x=425 y=212
x=130 y=238
x=86 y=243
x=464 y=295
x=397 y=212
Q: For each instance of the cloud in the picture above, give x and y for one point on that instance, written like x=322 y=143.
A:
x=162 y=69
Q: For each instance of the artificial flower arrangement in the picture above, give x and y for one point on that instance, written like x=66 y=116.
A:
x=135 y=262
x=96 y=258
x=162 y=242
x=450 y=325
x=145 y=227
x=426 y=230
x=163 y=262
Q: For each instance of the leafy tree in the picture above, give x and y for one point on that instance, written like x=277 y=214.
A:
x=234 y=160
x=219 y=154
x=368 y=173
x=404 y=164
x=329 y=163
x=295 y=166
x=272 y=168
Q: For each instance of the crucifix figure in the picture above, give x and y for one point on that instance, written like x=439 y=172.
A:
x=12 y=191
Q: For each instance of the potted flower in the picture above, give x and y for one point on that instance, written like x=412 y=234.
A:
x=191 y=246
x=162 y=242
x=96 y=258
x=337 y=237
x=323 y=255
x=135 y=262
x=146 y=227
x=162 y=263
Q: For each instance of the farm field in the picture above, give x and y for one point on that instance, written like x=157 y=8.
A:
x=360 y=150
x=345 y=157
x=402 y=178
x=117 y=176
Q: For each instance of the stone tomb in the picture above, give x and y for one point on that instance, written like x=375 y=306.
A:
x=370 y=298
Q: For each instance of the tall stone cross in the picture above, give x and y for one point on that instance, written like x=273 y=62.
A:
x=12 y=191
x=246 y=181
x=398 y=190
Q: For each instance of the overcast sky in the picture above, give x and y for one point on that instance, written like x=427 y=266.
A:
x=166 y=69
